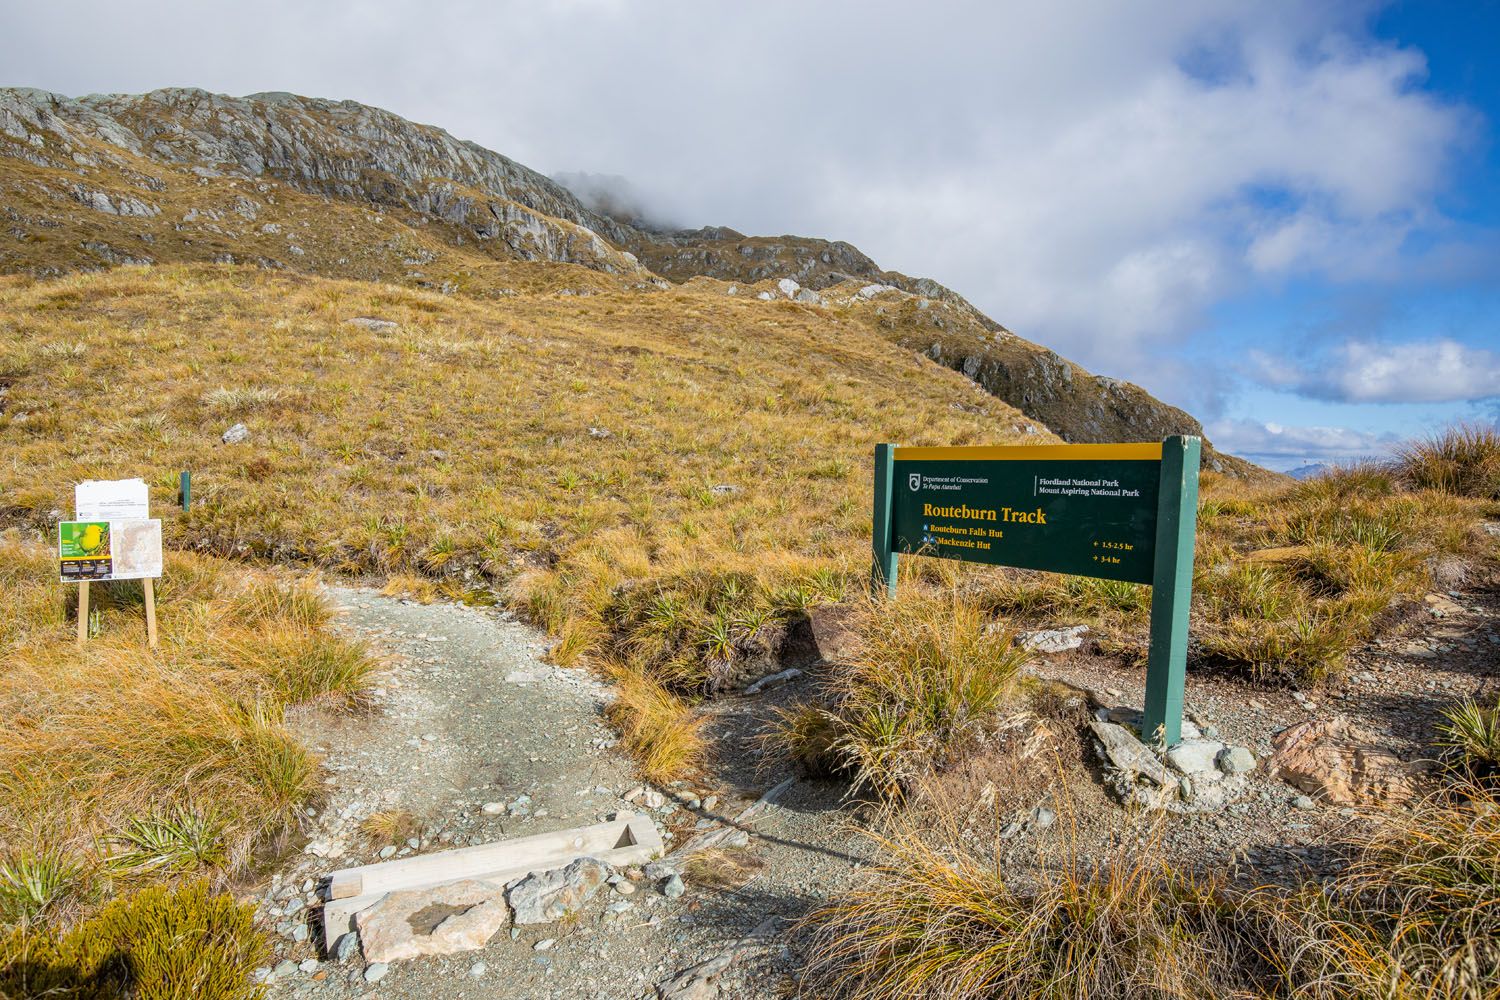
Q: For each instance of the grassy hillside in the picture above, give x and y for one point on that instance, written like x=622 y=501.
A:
x=573 y=446
x=665 y=476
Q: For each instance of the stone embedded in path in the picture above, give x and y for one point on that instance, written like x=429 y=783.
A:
x=441 y=920
x=343 y=948
x=1128 y=754
x=543 y=897
x=1337 y=762
x=1195 y=757
x=1053 y=640
x=1235 y=760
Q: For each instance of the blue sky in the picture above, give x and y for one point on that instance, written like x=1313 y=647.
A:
x=1307 y=320
x=1283 y=216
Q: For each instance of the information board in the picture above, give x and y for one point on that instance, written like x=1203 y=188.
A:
x=109 y=550
x=1088 y=510
x=1113 y=511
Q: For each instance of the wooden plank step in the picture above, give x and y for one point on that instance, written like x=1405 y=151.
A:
x=627 y=840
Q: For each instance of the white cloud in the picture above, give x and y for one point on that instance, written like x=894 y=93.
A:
x=1280 y=446
x=1054 y=162
x=1432 y=371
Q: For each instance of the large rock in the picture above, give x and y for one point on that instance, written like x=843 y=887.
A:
x=459 y=916
x=1339 y=763
x=543 y=897
x=832 y=631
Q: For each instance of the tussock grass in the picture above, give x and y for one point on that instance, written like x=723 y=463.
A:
x=935 y=921
x=1417 y=915
x=127 y=764
x=1288 y=579
x=928 y=677
x=391 y=826
x=1462 y=460
x=1471 y=735
x=658 y=728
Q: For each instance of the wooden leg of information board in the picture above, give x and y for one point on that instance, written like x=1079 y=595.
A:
x=83 y=613
x=883 y=570
x=149 y=587
x=1171 y=590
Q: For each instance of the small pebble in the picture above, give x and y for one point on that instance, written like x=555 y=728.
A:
x=376 y=972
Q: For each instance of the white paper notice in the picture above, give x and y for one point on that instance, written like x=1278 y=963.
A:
x=112 y=500
x=135 y=548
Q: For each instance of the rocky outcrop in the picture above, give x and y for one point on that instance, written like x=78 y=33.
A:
x=339 y=149
x=168 y=140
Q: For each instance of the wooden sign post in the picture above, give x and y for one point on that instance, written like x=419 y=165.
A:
x=1114 y=511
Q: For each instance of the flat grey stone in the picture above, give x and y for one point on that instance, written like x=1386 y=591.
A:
x=1235 y=760
x=1194 y=756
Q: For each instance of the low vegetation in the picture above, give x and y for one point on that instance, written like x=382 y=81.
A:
x=120 y=766
x=1288 y=579
x=1463 y=461
x=658 y=728
x=943 y=921
x=1417 y=914
x=929 y=675
x=1471 y=735
x=180 y=942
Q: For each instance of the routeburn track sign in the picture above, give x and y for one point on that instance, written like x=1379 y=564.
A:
x=1114 y=511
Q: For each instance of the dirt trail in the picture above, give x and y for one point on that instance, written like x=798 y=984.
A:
x=469 y=715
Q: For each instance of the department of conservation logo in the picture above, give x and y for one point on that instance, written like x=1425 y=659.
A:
x=914 y=481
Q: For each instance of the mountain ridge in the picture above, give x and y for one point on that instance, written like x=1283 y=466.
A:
x=375 y=159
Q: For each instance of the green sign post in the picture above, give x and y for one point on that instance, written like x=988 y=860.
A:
x=1114 y=511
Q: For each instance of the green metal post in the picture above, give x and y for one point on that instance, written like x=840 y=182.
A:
x=1172 y=588
x=185 y=489
x=883 y=573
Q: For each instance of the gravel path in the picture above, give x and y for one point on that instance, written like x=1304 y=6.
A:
x=469 y=715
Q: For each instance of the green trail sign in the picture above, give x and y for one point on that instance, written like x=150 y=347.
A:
x=1114 y=511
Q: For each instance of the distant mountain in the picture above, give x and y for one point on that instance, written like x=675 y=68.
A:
x=1311 y=471
x=185 y=175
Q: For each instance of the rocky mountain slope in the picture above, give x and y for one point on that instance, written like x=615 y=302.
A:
x=346 y=190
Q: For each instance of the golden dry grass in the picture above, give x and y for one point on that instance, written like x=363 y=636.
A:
x=939 y=919
x=1288 y=579
x=658 y=728
x=117 y=763
x=928 y=677
x=610 y=445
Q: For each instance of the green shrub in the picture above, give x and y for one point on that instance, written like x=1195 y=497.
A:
x=159 y=944
x=175 y=841
x=1471 y=734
